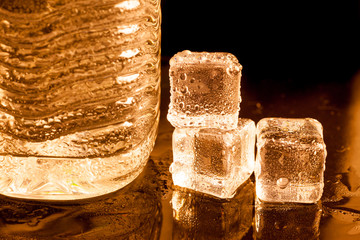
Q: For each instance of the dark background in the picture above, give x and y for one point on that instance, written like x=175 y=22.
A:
x=293 y=41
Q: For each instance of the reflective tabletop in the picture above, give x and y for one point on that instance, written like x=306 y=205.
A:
x=152 y=208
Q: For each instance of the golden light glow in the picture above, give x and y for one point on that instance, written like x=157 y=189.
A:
x=354 y=131
x=128 y=5
x=127 y=78
x=127 y=29
x=129 y=53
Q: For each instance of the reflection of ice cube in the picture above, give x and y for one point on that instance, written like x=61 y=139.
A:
x=278 y=221
x=213 y=161
x=197 y=216
x=290 y=160
x=205 y=90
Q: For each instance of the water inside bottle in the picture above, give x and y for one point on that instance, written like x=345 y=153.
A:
x=79 y=95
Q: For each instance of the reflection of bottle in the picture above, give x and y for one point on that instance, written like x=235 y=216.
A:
x=198 y=216
x=134 y=212
x=79 y=95
x=277 y=221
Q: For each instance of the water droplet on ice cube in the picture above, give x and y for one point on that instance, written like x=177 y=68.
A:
x=282 y=182
x=183 y=76
x=290 y=150
x=203 y=79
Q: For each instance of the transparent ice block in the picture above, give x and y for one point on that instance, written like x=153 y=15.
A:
x=205 y=90
x=213 y=161
x=290 y=160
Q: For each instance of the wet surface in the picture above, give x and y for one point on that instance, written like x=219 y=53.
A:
x=134 y=212
x=151 y=208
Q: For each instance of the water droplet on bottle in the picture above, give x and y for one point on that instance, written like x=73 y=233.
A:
x=5 y=23
x=171 y=168
x=282 y=182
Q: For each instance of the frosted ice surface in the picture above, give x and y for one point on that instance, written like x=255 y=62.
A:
x=205 y=90
x=290 y=160
x=213 y=161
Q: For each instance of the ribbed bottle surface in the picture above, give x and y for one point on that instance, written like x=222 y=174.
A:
x=79 y=95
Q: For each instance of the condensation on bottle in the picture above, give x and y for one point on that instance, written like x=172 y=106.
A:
x=79 y=95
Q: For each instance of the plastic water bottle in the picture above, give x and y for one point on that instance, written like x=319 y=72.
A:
x=79 y=95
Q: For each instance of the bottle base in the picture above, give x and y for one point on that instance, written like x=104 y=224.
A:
x=65 y=190
x=50 y=178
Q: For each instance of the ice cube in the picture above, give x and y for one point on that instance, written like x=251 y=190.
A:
x=205 y=90
x=199 y=216
x=213 y=161
x=290 y=160
x=279 y=221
